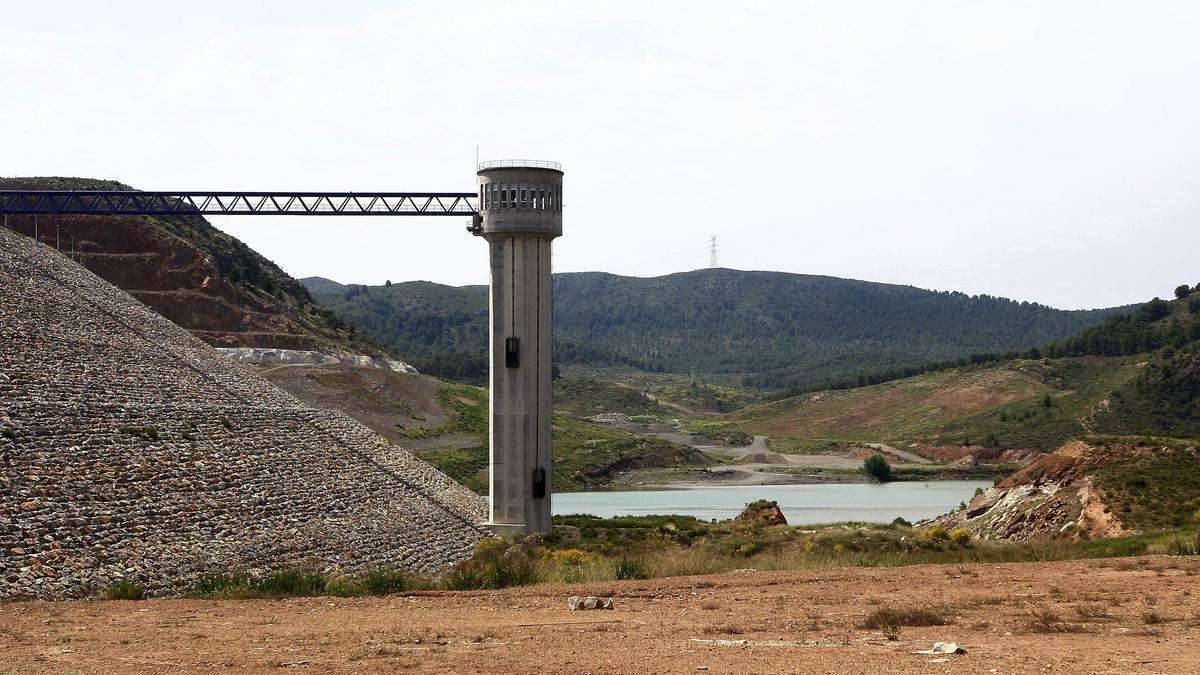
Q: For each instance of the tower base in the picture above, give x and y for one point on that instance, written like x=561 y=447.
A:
x=505 y=530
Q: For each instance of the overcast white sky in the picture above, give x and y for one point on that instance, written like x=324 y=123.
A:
x=1043 y=151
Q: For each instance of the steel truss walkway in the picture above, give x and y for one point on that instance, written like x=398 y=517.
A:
x=136 y=203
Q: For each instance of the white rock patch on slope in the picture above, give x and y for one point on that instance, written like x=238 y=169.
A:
x=310 y=358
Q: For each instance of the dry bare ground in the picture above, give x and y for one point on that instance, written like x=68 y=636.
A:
x=1097 y=616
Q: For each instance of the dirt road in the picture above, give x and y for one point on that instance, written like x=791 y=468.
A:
x=902 y=454
x=1100 y=616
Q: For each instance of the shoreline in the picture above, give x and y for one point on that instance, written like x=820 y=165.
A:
x=683 y=479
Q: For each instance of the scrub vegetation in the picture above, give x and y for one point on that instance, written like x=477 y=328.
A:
x=585 y=548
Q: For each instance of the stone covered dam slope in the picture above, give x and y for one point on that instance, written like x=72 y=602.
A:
x=129 y=449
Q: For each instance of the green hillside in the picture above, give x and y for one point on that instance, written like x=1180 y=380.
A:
x=773 y=330
x=442 y=330
x=1137 y=373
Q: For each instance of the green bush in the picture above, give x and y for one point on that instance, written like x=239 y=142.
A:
x=1185 y=547
x=630 y=568
x=496 y=564
x=878 y=468
x=125 y=590
x=464 y=579
x=961 y=536
x=385 y=582
x=292 y=583
x=1113 y=548
x=221 y=584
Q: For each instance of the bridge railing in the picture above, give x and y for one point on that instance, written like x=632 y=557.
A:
x=233 y=203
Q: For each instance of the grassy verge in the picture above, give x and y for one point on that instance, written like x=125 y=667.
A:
x=298 y=583
x=992 y=472
x=584 y=548
x=586 y=455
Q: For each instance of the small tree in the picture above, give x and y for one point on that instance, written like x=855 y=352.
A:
x=1182 y=291
x=878 y=468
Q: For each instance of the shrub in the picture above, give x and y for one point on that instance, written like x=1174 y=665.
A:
x=385 y=582
x=125 y=590
x=464 y=579
x=901 y=522
x=295 y=583
x=1049 y=621
x=221 y=584
x=148 y=433
x=292 y=582
x=961 y=536
x=630 y=568
x=1184 y=547
x=496 y=564
x=569 y=556
x=748 y=549
x=891 y=617
x=936 y=532
x=878 y=468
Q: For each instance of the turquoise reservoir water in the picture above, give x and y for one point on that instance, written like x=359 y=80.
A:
x=801 y=504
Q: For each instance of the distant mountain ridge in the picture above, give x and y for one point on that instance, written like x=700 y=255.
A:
x=775 y=329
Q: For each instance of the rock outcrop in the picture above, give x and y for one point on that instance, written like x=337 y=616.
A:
x=261 y=356
x=129 y=449
x=763 y=512
x=1104 y=487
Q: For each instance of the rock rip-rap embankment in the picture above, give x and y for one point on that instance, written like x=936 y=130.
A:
x=130 y=449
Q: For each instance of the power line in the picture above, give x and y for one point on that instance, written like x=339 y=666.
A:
x=691 y=253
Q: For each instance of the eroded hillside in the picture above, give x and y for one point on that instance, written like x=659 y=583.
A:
x=197 y=276
x=1097 y=487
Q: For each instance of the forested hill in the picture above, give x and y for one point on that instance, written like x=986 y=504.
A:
x=776 y=329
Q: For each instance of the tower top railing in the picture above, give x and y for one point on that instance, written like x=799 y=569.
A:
x=520 y=164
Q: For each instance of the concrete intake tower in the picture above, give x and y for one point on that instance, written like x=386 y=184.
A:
x=520 y=214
